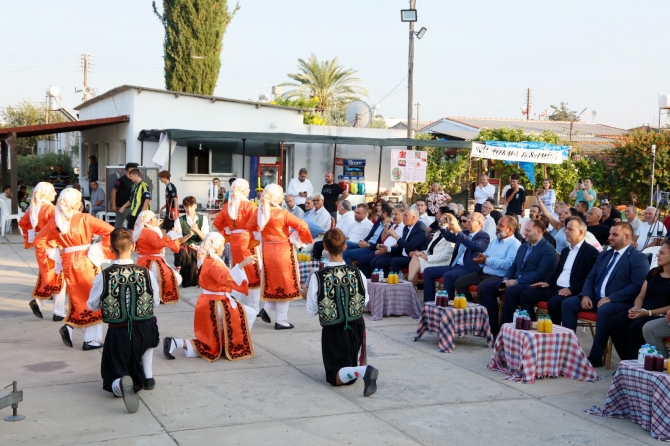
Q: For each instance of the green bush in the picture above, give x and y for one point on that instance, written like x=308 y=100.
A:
x=36 y=168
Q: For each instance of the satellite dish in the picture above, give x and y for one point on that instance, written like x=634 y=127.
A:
x=53 y=91
x=664 y=101
x=582 y=112
x=263 y=97
x=359 y=114
x=593 y=115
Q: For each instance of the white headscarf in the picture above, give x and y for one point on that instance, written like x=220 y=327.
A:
x=41 y=195
x=213 y=242
x=239 y=192
x=271 y=196
x=142 y=222
x=68 y=204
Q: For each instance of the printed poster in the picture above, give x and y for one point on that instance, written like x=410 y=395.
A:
x=408 y=165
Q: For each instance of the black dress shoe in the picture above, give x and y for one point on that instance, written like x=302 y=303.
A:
x=87 y=346
x=149 y=384
x=130 y=398
x=265 y=317
x=167 y=343
x=36 y=309
x=283 y=327
x=58 y=318
x=596 y=362
x=65 y=335
x=370 y=380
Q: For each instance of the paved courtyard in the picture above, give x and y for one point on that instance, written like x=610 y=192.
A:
x=280 y=396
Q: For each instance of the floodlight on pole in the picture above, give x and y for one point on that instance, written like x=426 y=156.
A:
x=408 y=15
x=421 y=32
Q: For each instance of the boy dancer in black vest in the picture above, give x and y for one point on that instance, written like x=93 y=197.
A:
x=338 y=294
x=125 y=292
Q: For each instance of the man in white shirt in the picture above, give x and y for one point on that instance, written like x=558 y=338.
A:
x=489 y=223
x=355 y=229
x=651 y=232
x=318 y=219
x=631 y=217
x=483 y=191
x=345 y=214
x=422 y=207
x=300 y=188
x=292 y=207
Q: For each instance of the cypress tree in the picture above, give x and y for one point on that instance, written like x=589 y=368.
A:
x=194 y=32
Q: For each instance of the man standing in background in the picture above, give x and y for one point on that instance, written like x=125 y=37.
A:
x=121 y=194
x=331 y=192
x=300 y=188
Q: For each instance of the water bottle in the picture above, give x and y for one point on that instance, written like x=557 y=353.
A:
x=641 y=354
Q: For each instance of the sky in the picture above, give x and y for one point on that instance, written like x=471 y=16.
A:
x=477 y=58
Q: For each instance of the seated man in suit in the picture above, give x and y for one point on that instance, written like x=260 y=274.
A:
x=495 y=261
x=611 y=287
x=384 y=243
x=414 y=238
x=369 y=243
x=468 y=244
x=536 y=259
x=568 y=279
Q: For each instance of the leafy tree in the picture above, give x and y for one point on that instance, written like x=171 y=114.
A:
x=378 y=122
x=36 y=168
x=26 y=113
x=445 y=170
x=563 y=113
x=328 y=81
x=309 y=117
x=194 y=32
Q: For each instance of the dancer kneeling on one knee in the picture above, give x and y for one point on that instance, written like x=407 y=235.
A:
x=338 y=294
x=127 y=294
x=220 y=322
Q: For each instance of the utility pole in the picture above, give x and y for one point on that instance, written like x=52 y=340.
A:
x=86 y=89
x=418 y=105
x=527 y=104
x=410 y=74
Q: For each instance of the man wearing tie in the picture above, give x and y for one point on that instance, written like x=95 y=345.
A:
x=468 y=244
x=369 y=244
x=414 y=238
x=611 y=287
x=385 y=242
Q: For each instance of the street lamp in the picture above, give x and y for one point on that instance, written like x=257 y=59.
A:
x=410 y=16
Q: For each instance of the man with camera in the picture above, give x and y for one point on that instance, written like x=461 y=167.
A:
x=584 y=191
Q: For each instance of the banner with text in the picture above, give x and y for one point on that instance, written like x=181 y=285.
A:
x=408 y=165
x=533 y=152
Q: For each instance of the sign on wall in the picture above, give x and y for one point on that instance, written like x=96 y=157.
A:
x=408 y=165
x=522 y=152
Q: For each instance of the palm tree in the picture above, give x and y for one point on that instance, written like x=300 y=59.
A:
x=328 y=81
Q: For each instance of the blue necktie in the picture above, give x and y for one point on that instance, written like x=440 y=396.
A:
x=602 y=278
x=525 y=257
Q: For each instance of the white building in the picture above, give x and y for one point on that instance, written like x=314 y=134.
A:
x=150 y=109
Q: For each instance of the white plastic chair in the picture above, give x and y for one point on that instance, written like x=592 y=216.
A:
x=654 y=255
x=7 y=217
x=108 y=217
x=87 y=205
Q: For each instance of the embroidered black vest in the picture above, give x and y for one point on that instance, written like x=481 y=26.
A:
x=341 y=295
x=185 y=229
x=127 y=295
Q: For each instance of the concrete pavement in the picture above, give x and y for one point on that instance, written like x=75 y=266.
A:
x=280 y=396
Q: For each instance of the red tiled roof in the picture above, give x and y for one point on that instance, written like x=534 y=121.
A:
x=61 y=127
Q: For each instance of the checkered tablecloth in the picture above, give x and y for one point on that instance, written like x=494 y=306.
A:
x=525 y=355
x=640 y=395
x=449 y=322
x=392 y=300
x=305 y=269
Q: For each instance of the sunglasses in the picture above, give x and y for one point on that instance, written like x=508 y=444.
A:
x=463 y=221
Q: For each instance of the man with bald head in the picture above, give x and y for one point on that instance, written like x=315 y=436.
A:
x=650 y=232
x=599 y=231
x=469 y=243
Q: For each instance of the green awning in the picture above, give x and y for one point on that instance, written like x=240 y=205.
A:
x=264 y=144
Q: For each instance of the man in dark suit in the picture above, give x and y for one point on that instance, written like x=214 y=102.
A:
x=611 y=287
x=568 y=279
x=369 y=243
x=414 y=238
x=468 y=245
x=535 y=260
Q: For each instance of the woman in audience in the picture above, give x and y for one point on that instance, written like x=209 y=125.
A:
x=547 y=195
x=653 y=302
x=436 y=198
x=438 y=253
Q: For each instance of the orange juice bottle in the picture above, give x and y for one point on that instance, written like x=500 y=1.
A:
x=548 y=325
x=540 y=324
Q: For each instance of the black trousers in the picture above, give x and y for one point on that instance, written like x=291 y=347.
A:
x=340 y=348
x=186 y=259
x=130 y=222
x=317 y=250
x=626 y=334
x=554 y=307
x=122 y=354
x=477 y=278
x=532 y=296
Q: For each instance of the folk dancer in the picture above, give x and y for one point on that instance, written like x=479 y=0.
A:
x=36 y=217
x=193 y=228
x=232 y=221
x=338 y=294
x=80 y=261
x=127 y=294
x=280 y=278
x=221 y=323
x=150 y=243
